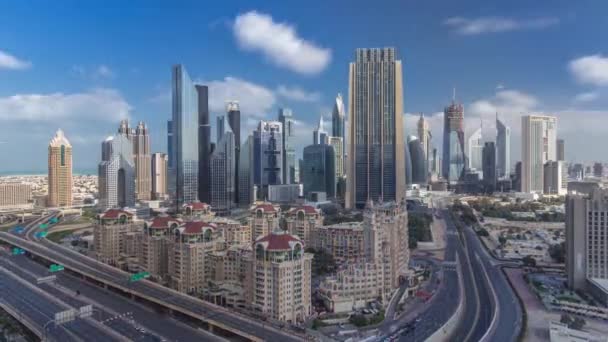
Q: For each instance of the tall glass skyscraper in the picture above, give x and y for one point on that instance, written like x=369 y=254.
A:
x=185 y=122
x=116 y=173
x=503 y=149
x=234 y=122
x=453 y=163
x=222 y=174
x=475 y=147
x=289 y=150
x=268 y=155
x=539 y=135
x=418 y=160
x=318 y=170
x=338 y=118
x=376 y=169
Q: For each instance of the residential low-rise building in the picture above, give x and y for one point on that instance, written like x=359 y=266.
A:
x=154 y=250
x=302 y=221
x=281 y=287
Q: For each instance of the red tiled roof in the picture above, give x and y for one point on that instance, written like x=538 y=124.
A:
x=307 y=209
x=161 y=222
x=196 y=227
x=278 y=241
x=266 y=207
x=114 y=214
x=197 y=205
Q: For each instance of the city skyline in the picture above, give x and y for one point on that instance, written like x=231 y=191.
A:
x=137 y=86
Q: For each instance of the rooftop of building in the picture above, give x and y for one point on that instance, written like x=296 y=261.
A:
x=197 y=206
x=114 y=214
x=196 y=227
x=308 y=209
x=162 y=222
x=266 y=207
x=278 y=241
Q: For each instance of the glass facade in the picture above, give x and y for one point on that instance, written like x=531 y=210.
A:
x=185 y=137
x=289 y=151
x=503 y=150
x=318 y=170
x=453 y=143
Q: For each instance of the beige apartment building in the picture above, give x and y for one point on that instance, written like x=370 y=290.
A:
x=344 y=241
x=232 y=231
x=230 y=275
x=385 y=264
x=281 y=277
x=154 y=248
x=302 y=221
x=15 y=194
x=159 y=176
x=110 y=239
x=263 y=219
x=189 y=245
x=198 y=211
x=60 y=171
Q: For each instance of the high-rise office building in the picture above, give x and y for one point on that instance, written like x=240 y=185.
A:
x=587 y=241
x=245 y=173
x=159 y=175
x=598 y=169
x=538 y=146
x=143 y=162
x=289 y=149
x=425 y=137
x=234 y=122
x=221 y=128
x=453 y=161
x=555 y=178
x=489 y=166
x=185 y=123
x=60 y=171
x=319 y=135
x=376 y=166
x=222 y=175
x=204 y=145
x=561 y=149
x=116 y=173
x=516 y=178
x=418 y=161
x=318 y=170
x=338 y=118
x=408 y=164
x=337 y=143
x=475 y=146
x=503 y=149
x=268 y=155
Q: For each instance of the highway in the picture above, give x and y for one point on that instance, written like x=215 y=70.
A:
x=40 y=308
x=128 y=318
x=200 y=310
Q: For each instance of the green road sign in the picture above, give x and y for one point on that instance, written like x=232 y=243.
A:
x=139 y=276
x=55 y=268
x=18 y=251
x=44 y=226
x=40 y=235
x=54 y=220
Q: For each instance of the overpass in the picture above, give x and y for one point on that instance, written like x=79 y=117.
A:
x=216 y=318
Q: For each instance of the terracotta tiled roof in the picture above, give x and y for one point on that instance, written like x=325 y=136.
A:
x=266 y=207
x=197 y=205
x=114 y=214
x=278 y=241
x=161 y=222
x=196 y=227
x=307 y=209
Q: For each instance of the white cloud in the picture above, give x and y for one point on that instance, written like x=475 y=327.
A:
x=95 y=73
x=590 y=69
x=279 y=43
x=481 y=25
x=587 y=97
x=298 y=94
x=254 y=99
x=11 y=62
x=96 y=105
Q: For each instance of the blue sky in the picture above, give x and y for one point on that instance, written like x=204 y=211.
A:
x=82 y=66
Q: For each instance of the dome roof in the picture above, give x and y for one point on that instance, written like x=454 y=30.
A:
x=278 y=241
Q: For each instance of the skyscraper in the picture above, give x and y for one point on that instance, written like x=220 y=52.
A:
x=337 y=122
x=268 y=155
x=318 y=169
x=234 y=121
x=475 y=146
x=561 y=149
x=337 y=143
x=453 y=163
x=60 y=171
x=204 y=144
x=598 y=170
x=159 y=175
x=538 y=146
x=245 y=173
x=221 y=128
x=555 y=178
x=376 y=169
x=222 y=174
x=489 y=166
x=319 y=135
x=418 y=162
x=425 y=137
x=289 y=150
x=116 y=173
x=503 y=149
x=185 y=121
x=143 y=162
